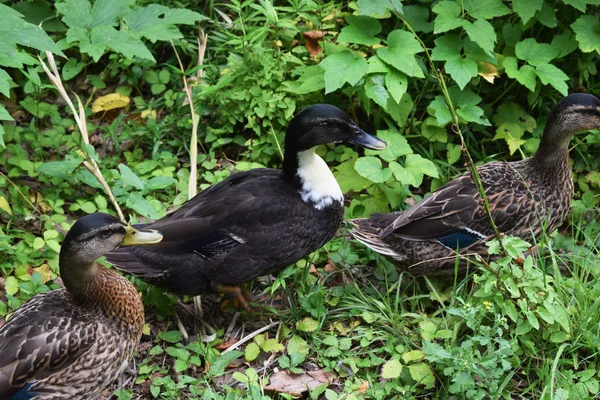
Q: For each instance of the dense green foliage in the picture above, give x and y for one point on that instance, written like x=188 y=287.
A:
x=505 y=332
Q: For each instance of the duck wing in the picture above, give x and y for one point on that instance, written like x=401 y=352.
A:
x=455 y=214
x=41 y=338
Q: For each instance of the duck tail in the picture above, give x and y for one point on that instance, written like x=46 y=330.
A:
x=368 y=232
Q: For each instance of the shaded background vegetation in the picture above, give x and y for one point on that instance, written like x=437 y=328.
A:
x=531 y=333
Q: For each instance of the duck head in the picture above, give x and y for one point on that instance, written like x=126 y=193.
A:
x=578 y=112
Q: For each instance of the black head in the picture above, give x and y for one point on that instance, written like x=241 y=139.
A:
x=96 y=234
x=575 y=113
x=324 y=123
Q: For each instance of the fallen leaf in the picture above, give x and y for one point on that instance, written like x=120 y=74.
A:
x=311 y=40
x=363 y=387
x=487 y=71
x=110 y=102
x=295 y=385
x=227 y=344
x=44 y=271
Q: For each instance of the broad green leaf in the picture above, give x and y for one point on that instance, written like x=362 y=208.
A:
x=549 y=74
x=482 y=33
x=271 y=346
x=11 y=285
x=139 y=204
x=251 y=351
x=440 y=111
x=472 y=113
x=297 y=348
x=159 y=182
x=461 y=70
x=535 y=53
x=422 y=373
x=157 y=22
x=394 y=192
x=485 y=9
x=527 y=8
x=401 y=110
x=346 y=176
x=307 y=324
x=72 y=68
x=218 y=367
x=414 y=355
x=122 y=42
x=448 y=16
x=421 y=166
x=15 y=31
x=564 y=43
x=375 y=90
x=578 y=4
x=379 y=8
x=524 y=75
x=547 y=16
x=343 y=67
x=453 y=153
x=5 y=80
x=371 y=168
x=397 y=146
x=511 y=132
x=128 y=177
x=311 y=80
x=432 y=132
x=400 y=53
x=4 y=206
x=418 y=18
x=396 y=83
x=512 y=112
x=587 y=32
x=404 y=176
x=391 y=369
x=61 y=169
x=361 y=30
x=81 y=14
x=446 y=48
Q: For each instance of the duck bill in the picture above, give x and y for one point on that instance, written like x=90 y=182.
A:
x=363 y=139
x=135 y=237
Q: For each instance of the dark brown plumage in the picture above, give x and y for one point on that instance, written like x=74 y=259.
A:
x=73 y=343
x=525 y=197
x=255 y=222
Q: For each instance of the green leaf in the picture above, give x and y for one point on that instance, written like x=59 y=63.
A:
x=578 y=4
x=344 y=66
x=549 y=74
x=525 y=75
x=139 y=204
x=378 y=8
x=271 y=346
x=461 y=70
x=587 y=33
x=391 y=369
x=432 y=132
x=375 y=90
x=307 y=324
x=371 y=168
x=122 y=42
x=15 y=31
x=157 y=22
x=485 y=9
x=418 y=18
x=360 y=30
x=348 y=179
x=11 y=285
x=471 y=113
x=72 y=68
x=128 y=177
x=297 y=349
x=547 y=16
x=564 y=43
x=527 y=8
x=80 y=14
x=447 y=16
x=482 y=33
x=5 y=80
x=159 y=182
x=400 y=53
x=396 y=83
x=251 y=352
x=311 y=80
x=4 y=206
x=535 y=53
x=217 y=368
x=414 y=355
x=422 y=373
x=421 y=166
x=397 y=146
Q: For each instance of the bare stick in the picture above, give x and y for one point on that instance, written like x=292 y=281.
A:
x=79 y=115
x=250 y=336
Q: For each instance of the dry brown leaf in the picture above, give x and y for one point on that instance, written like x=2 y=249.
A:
x=295 y=385
x=363 y=387
x=227 y=344
x=487 y=71
x=311 y=40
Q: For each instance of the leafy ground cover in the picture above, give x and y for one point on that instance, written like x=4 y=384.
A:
x=345 y=322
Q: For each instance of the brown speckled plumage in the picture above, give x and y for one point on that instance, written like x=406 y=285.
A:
x=525 y=197
x=72 y=343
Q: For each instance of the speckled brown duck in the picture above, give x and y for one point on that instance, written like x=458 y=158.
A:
x=255 y=222
x=525 y=197
x=74 y=342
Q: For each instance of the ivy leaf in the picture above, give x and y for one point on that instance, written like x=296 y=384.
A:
x=482 y=33
x=535 y=53
x=524 y=75
x=371 y=168
x=400 y=53
x=549 y=74
x=344 y=66
x=375 y=90
x=447 y=16
x=378 y=8
x=461 y=70
x=157 y=22
x=361 y=29
x=396 y=83
x=587 y=32
x=472 y=113
x=397 y=146
x=526 y=9
x=16 y=31
x=391 y=369
x=485 y=9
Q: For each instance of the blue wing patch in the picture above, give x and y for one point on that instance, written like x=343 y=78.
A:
x=460 y=239
x=23 y=393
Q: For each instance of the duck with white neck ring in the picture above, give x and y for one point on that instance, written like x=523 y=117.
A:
x=254 y=222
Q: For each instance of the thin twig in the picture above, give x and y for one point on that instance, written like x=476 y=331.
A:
x=79 y=115
x=250 y=336
x=21 y=193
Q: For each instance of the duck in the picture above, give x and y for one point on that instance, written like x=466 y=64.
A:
x=527 y=198
x=255 y=222
x=72 y=343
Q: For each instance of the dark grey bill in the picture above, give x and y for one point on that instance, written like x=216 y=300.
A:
x=363 y=139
